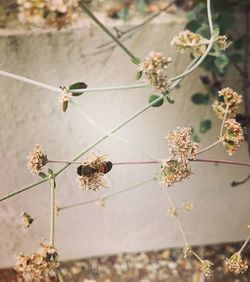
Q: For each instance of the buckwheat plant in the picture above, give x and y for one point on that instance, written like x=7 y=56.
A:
x=182 y=150
x=235 y=263
x=48 y=12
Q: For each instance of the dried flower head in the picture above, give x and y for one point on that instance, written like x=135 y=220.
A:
x=173 y=171
x=89 y=175
x=187 y=251
x=236 y=264
x=154 y=67
x=188 y=206
x=206 y=267
x=187 y=40
x=64 y=97
x=231 y=99
x=36 y=160
x=222 y=42
x=233 y=136
x=172 y=211
x=27 y=220
x=38 y=265
x=180 y=143
x=47 y=12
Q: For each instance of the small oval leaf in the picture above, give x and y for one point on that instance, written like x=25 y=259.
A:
x=200 y=98
x=153 y=98
x=42 y=174
x=78 y=85
x=205 y=125
x=64 y=106
x=170 y=101
x=138 y=75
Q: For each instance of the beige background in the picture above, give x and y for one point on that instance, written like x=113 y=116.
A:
x=133 y=221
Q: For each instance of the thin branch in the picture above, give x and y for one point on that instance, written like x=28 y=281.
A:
x=52 y=211
x=58 y=90
x=221 y=162
x=135 y=186
x=137 y=27
x=244 y=245
x=200 y=60
x=103 y=27
x=223 y=121
x=209 y=16
x=210 y=146
x=93 y=123
x=166 y=194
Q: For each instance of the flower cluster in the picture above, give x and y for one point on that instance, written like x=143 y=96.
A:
x=236 y=264
x=230 y=100
x=180 y=143
x=90 y=176
x=206 y=267
x=47 y=12
x=181 y=148
x=27 y=220
x=38 y=265
x=233 y=136
x=187 y=40
x=173 y=171
x=154 y=67
x=222 y=43
x=37 y=159
x=172 y=211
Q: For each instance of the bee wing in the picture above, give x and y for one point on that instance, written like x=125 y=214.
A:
x=94 y=158
x=105 y=182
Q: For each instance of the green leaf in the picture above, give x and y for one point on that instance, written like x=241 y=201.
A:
x=196 y=138
x=200 y=98
x=78 y=85
x=138 y=75
x=141 y=6
x=216 y=31
x=124 y=13
x=158 y=103
x=193 y=25
x=136 y=60
x=170 y=101
x=221 y=62
x=42 y=174
x=50 y=172
x=205 y=125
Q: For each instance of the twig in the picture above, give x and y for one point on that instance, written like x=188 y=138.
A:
x=221 y=162
x=210 y=146
x=52 y=211
x=135 y=28
x=223 y=121
x=244 y=245
x=58 y=90
x=103 y=27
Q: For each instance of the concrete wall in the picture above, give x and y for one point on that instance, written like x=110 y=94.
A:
x=135 y=220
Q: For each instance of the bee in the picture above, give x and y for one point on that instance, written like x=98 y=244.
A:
x=98 y=165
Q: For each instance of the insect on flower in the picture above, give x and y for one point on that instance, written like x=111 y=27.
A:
x=91 y=173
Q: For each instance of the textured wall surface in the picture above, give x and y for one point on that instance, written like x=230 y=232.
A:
x=133 y=221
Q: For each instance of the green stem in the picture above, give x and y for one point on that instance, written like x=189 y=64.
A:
x=200 y=60
x=223 y=121
x=210 y=146
x=118 y=42
x=209 y=16
x=52 y=211
x=60 y=275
